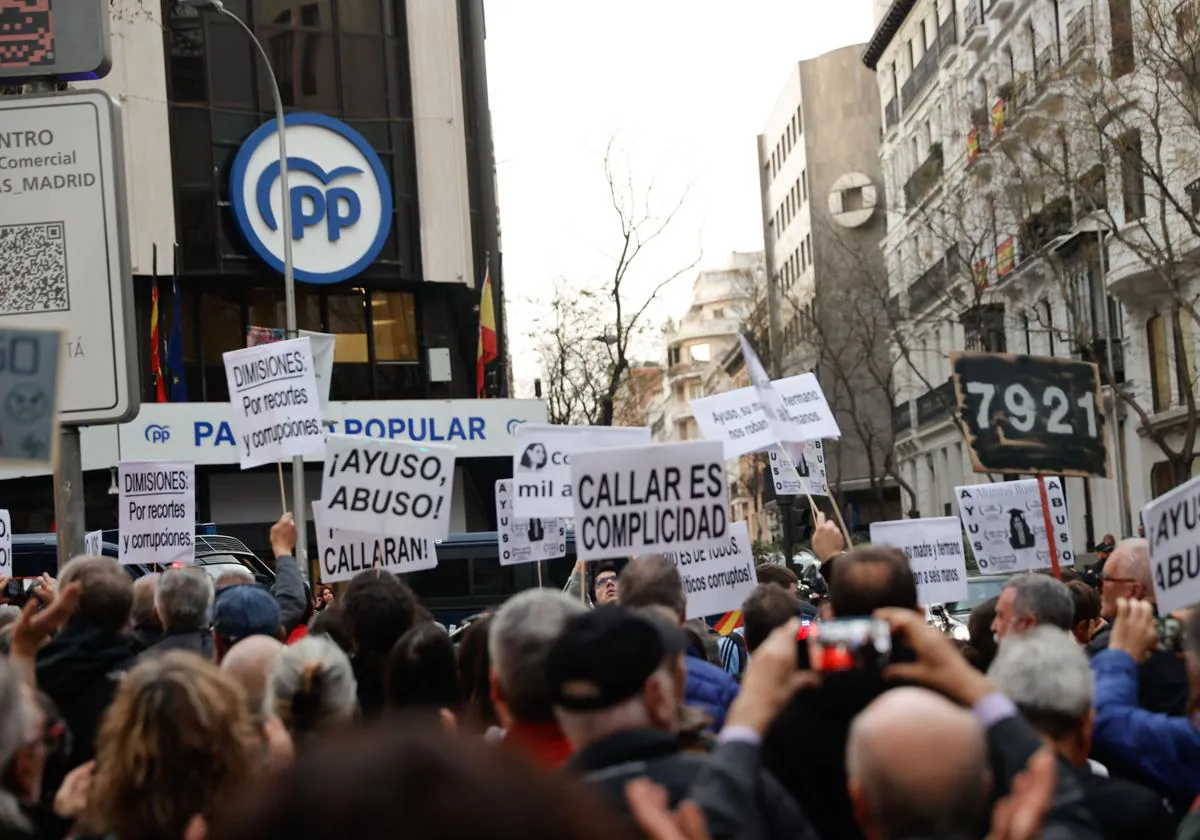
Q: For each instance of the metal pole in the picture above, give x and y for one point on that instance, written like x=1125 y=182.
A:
x=289 y=277
x=1113 y=422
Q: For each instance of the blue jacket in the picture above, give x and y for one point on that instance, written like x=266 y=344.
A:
x=709 y=688
x=1165 y=749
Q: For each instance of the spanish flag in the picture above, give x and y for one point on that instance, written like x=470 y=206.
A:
x=160 y=388
x=729 y=622
x=487 y=352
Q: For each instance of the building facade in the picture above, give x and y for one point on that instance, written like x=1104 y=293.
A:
x=1038 y=209
x=407 y=77
x=823 y=221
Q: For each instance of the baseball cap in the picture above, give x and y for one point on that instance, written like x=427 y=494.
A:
x=604 y=657
x=245 y=609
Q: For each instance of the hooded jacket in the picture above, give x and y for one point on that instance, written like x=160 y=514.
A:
x=709 y=688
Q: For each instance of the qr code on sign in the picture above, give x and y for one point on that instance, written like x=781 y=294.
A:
x=33 y=269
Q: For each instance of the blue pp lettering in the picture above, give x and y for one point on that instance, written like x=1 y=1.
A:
x=309 y=216
x=336 y=200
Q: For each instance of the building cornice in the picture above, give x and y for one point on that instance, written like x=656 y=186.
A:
x=886 y=31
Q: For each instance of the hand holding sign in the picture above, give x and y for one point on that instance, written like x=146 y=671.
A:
x=1172 y=524
x=935 y=554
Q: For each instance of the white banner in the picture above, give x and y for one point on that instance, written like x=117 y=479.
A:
x=769 y=400
x=6 y=558
x=720 y=578
x=387 y=488
x=1172 y=522
x=343 y=554
x=736 y=419
x=804 y=474
x=649 y=499
x=808 y=410
x=93 y=543
x=157 y=512
x=30 y=363
x=323 y=347
x=542 y=463
x=1006 y=528
x=276 y=407
x=526 y=540
x=935 y=554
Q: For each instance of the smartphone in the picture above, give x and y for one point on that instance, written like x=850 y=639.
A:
x=802 y=658
x=1170 y=634
x=13 y=590
x=850 y=644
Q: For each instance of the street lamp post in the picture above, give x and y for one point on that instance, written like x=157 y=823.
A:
x=289 y=277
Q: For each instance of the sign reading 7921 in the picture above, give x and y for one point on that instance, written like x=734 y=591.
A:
x=1031 y=414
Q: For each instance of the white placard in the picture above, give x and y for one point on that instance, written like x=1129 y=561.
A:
x=6 y=558
x=276 y=406
x=343 y=554
x=808 y=410
x=769 y=400
x=542 y=463
x=93 y=543
x=804 y=473
x=30 y=363
x=935 y=553
x=1172 y=522
x=387 y=488
x=526 y=540
x=736 y=419
x=157 y=512
x=720 y=578
x=1006 y=529
x=649 y=499
x=323 y=346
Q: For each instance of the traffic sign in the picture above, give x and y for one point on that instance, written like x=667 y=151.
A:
x=64 y=255
x=341 y=199
x=54 y=39
x=1031 y=414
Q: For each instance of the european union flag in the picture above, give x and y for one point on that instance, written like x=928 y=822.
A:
x=178 y=385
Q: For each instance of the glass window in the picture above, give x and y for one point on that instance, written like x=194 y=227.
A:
x=186 y=48
x=267 y=307
x=700 y=353
x=191 y=150
x=230 y=64
x=348 y=323
x=1133 y=182
x=360 y=16
x=1160 y=366
x=195 y=214
x=1185 y=362
x=394 y=320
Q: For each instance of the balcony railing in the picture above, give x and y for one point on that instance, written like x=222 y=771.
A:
x=1192 y=191
x=1044 y=66
x=891 y=113
x=934 y=282
x=917 y=81
x=902 y=417
x=935 y=403
x=1053 y=220
x=1079 y=34
x=972 y=17
x=926 y=176
x=948 y=32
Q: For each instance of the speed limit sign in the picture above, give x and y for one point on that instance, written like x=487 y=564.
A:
x=1031 y=414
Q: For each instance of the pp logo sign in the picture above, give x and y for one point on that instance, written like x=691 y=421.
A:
x=338 y=195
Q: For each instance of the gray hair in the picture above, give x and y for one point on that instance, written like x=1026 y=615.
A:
x=107 y=591
x=1046 y=673
x=1134 y=559
x=184 y=599
x=519 y=641
x=1046 y=600
x=15 y=718
x=142 y=613
x=312 y=687
x=235 y=575
x=652 y=580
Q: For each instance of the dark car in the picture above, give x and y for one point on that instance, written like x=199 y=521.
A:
x=979 y=589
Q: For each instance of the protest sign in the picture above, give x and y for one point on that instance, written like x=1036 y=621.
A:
x=719 y=578
x=29 y=371
x=323 y=346
x=6 y=558
x=1172 y=523
x=804 y=474
x=769 y=400
x=1031 y=414
x=389 y=488
x=542 y=463
x=935 y=553
x=157 y=512
x=526 y=540
x=93 y=543
x=1006 y=527
x=736 y=419
x=649 y=499
x=343 y=554
x=808 y=411
x=276 y=410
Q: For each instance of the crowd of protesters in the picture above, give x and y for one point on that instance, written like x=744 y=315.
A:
x=179 y=708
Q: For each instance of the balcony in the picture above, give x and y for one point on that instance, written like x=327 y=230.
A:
x=902 y=417
x=1097 y=351
x=935 y=403
x=935 y=282
x=1079 y=36
x=919 y=79
x=977 y=136
x=925 y=178
x=975 y=31
x=1001 y=9
x=1045 y=66
x=947 y=40
x=891 y=113
x=1055 y=219
x=1091 y=192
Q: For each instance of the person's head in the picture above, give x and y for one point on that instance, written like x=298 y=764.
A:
x=652 y=581
x=328 y=622
x=312 y=688
x=234 y=576
x=183 y=600
x=250 y=662
x=981 y=639
x=869 y=578
x=242 y=611
x=1087 y=611
x=779 y=575
x=474 y=674
x=324 y=596
x=18 y=722
x=519 y=641
x=1031 y=600
x=178 y=741
x=1046 y=673
x=767 y=607
x=142 y=615
x=604 y=586
x=611 y=671
x=377 y=608
x=1126 y=574
x=422 y=672
x=438 y=785
x=917 y=766
x=107 y=592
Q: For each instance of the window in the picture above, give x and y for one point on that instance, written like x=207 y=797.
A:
x=700 y=353
x=394 y=322
x=1133 y=184
x=1160 y=366
x=808 y=244
x=799 y=119
x=1120 y=58
x=695 y=391
x=1185 y=359
x=804 y=183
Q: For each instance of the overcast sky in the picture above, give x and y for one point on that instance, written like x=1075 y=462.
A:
x=684 y=86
